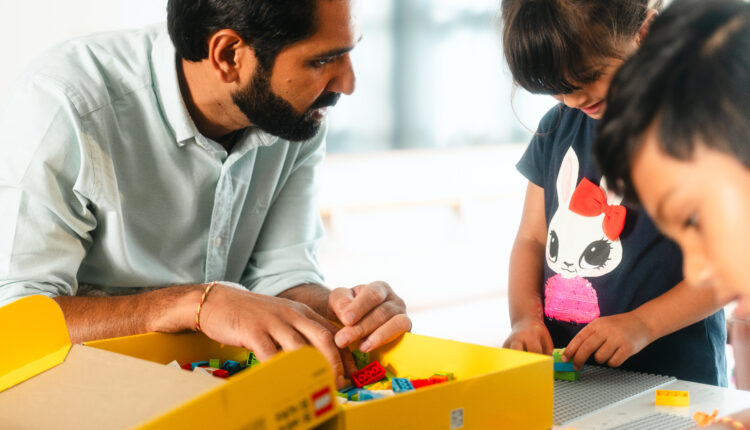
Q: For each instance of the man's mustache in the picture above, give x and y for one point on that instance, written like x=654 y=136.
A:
x=328 y=99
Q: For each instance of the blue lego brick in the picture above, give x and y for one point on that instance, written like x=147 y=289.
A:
x=399 y=385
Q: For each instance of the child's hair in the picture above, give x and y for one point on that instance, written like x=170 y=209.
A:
x=552 y=45
x=691 y=80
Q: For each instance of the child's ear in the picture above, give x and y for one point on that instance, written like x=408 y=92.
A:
x=646 y=26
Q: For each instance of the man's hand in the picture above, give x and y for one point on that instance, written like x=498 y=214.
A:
x=530 y=335
x=372 y=312
x=612 y=340
x=265 y=325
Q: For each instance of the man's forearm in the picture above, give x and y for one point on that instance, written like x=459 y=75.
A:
x=678 y=308
x=313 y=295
x=168 y=310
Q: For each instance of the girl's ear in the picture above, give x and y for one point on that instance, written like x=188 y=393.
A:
x=567 y=178
x=646 y=26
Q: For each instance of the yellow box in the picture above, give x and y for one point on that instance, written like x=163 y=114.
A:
x=47 y=383
x=493 y=388
x=672 y=398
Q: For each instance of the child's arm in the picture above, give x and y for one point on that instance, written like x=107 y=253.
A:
x=613 y=339
x=526 y=273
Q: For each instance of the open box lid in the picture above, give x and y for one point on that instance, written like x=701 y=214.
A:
x=47 y=383
x=34 y=335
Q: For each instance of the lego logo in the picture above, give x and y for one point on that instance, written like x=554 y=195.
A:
x=322 y=401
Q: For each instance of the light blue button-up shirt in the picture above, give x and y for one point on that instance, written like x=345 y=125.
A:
x=105 y=180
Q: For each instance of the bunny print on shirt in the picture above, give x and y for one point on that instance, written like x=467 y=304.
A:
x=582 y=242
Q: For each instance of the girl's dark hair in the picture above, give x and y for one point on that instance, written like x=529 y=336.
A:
x=552 y=45
x=690 y=80
x=268 y=25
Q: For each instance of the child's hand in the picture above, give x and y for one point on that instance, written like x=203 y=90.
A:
x=530 y=335
x=611 y=339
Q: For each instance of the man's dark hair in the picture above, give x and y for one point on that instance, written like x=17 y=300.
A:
x=552 y=45
x=267 y=25
x=691 y=80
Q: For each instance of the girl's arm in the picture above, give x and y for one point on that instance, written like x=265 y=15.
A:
x=615 y=338
x=525 y=278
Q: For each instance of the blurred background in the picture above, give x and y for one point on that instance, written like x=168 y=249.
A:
x=419 y=188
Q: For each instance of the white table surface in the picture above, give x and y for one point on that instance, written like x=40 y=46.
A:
x=704 y=398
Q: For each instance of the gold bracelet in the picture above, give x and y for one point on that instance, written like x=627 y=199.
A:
x=200 y=305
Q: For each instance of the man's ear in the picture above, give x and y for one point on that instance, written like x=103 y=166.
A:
x=646 y=26
x=229 y=56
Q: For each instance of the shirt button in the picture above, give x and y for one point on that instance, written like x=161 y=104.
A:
x=217 y=242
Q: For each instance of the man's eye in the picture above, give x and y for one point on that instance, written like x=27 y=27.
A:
x=321 y=63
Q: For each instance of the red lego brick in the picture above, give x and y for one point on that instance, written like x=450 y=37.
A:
x=187 y=366
x=437 y=379
x=221 y=373
x=369 y=374
x=419 y=383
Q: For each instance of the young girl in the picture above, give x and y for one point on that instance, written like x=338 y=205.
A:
x=679 y=135
x=588 y=272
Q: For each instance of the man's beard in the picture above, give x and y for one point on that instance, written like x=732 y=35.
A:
x=272 y=114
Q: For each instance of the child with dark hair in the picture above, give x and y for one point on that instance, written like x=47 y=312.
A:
x=677 y=134
x=588 y=272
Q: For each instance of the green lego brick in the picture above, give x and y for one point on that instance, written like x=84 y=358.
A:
x=361 y=359
x=215 y=363
x=252 y=360
x=557 y=354
x=568 y=376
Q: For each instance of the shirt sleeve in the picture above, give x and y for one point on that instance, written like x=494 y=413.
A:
x=45 y=220
x=285 y=254
x=534 y=162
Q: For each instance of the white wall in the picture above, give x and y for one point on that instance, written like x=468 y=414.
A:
x=29 y=27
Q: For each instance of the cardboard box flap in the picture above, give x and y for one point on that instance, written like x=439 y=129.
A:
x=34 y=331
x=97 y=389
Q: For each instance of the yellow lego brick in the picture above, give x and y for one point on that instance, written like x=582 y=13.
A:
x=672 y=398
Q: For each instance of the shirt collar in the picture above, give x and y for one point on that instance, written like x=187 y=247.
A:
x=164 y=59
x=167 y=88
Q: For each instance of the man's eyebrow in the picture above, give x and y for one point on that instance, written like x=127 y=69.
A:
x=338 y=51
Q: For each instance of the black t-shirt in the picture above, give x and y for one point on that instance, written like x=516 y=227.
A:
x=596 y=265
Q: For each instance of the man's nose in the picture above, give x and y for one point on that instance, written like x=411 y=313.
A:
x=344 y=81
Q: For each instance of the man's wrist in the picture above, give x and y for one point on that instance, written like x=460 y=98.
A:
x=180 y=305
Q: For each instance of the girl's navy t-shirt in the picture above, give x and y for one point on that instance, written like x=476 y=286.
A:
x=592 y=271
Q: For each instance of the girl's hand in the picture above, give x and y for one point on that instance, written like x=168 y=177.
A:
x=530 y=335
x=611 y=339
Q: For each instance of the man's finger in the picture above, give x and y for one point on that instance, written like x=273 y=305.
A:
x=263 y=346
x=387 y=332
x=321 y=338
x=289 y=339
x=338 y=301
x=366 y=298
x=369 y=323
